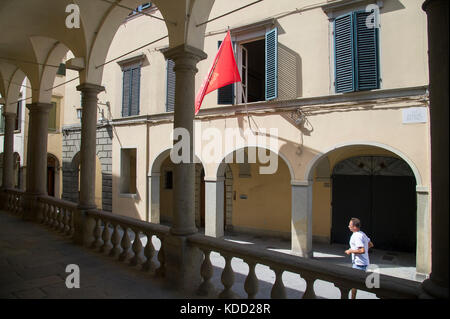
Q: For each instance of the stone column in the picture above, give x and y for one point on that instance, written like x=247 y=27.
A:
x=154 y=196
x=182 y=261
x=8 y=151
x=301 y=220
x=186 y=59
x=438 y=20
x=214 y=210
x=36 y=158
x=84 y=226
x=423 y=253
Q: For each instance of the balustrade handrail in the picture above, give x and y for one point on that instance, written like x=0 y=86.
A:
x=57 y=202
x=15 y=191
x=390 y=287
x=129 y=222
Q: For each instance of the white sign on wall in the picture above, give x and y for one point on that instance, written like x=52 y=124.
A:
x=415 y=115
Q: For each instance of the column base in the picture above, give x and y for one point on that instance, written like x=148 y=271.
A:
x=182 y=263
x=32 y=208
x=84 y=226
x=430 y=290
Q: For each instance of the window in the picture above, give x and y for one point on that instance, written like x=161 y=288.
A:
x=18 y=116
x=52 y=118
x=355 y=53
x=257 y=60
x=168 y=180
x=170 y=88
x=131 y=90
x=128 y=171
x=2 y=120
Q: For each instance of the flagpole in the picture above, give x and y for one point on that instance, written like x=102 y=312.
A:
x=245 y=103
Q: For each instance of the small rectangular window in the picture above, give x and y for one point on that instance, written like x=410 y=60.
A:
x=128 y=171
x=52 y=118
x=168 y=180
x=18 y=116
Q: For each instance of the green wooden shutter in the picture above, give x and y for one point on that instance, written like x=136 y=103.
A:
x=135 y=90
x=170 y=88
x=366 y=53
x=126 y=87
x=344 y=66
x=272 y=64
x=225 y=95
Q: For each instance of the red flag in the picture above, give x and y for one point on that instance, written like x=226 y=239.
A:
x=224 y=71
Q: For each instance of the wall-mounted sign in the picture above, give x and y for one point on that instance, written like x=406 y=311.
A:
x=415 y=115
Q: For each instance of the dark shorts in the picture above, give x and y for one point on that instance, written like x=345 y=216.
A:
x=360 y=267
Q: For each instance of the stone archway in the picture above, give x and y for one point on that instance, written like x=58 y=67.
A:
x=321 y=178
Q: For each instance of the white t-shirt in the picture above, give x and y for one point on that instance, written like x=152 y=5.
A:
x=358 y=240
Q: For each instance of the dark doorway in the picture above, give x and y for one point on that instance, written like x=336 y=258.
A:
x=51 y=170
x=380 y=191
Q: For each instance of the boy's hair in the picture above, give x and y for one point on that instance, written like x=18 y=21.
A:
x=356 y=222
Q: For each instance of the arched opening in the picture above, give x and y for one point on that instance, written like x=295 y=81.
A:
x=18 y=171
x=75 y=181
x=256 y=203
x=53 y=176
x=161 y=188
x=378 y=185
x=381 y=192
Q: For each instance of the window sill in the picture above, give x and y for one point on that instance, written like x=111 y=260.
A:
x=128 y=195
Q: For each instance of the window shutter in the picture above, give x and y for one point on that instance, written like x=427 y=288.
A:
x=126 y=92
x=343 y=54
x=272 y=64
x=135 y=90
x=225 y=95
x=366 y=51
x=170 y=90
x=52 y=117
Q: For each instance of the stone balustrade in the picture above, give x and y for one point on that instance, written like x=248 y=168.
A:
x=121 y=238
x=57 y=214
x=344 y=278
x=14 y=200
x=113 y=234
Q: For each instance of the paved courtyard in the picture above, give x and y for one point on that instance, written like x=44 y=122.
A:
x=33 y=260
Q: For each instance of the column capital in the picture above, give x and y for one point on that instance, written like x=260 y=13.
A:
x=428 y=3
x=39 y=107
x=9 y=115
x=185 y=56
x=90 y=88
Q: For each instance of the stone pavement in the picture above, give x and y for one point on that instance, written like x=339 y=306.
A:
x=33 y=260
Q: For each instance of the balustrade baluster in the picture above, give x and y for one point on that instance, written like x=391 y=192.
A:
x=161 y=271
x=344 y=290
x=137 y=248
x=97 y=234
x=149 y=252
x=57 y=217
x=52 y=216
x=115 y=240
x=44 y=213
x=251 y=282
x=67 y=220
x=206 y=271
x=227 y=279
x=106 y=236
x=62 y=219
x=126 y=244
x=278 y=290
x=309 y=292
